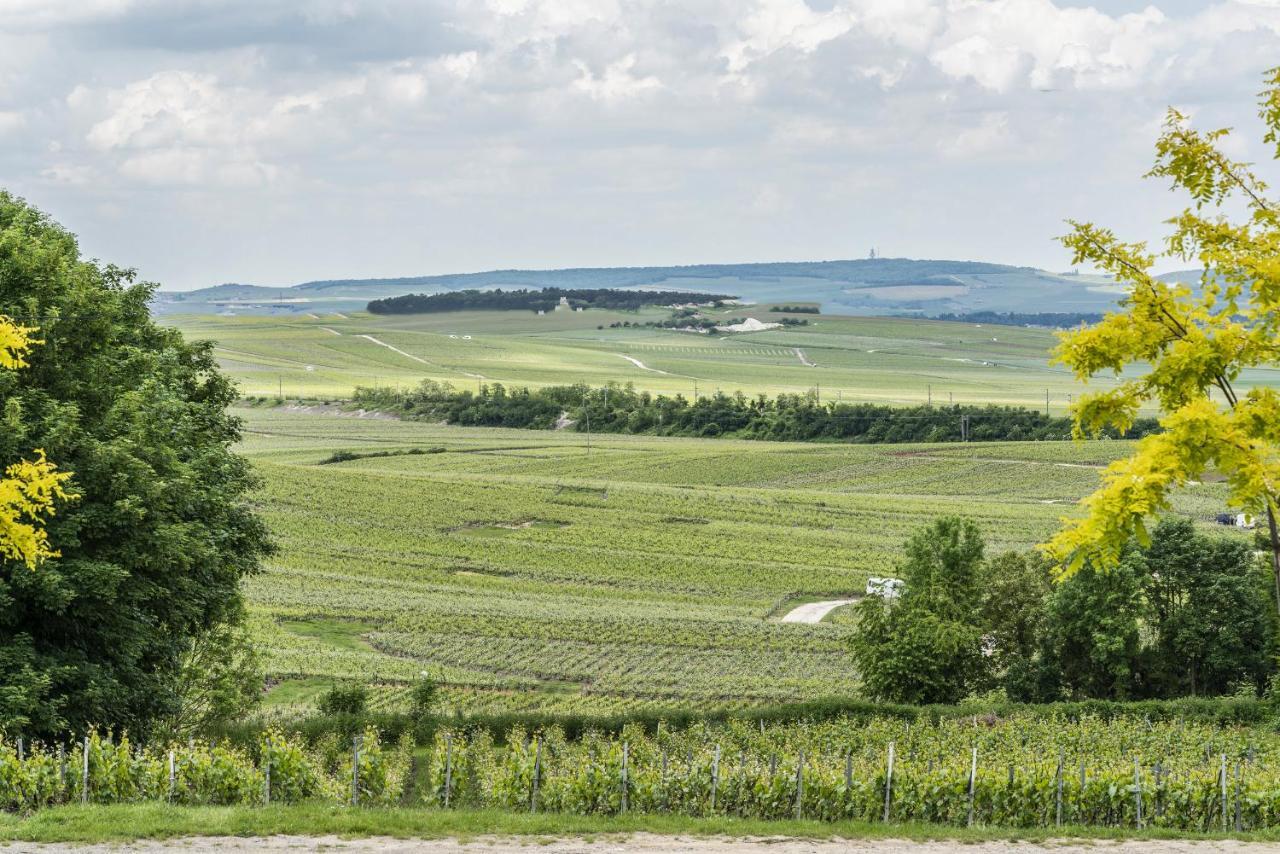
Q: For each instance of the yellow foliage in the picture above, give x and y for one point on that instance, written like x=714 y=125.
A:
x=1193 y=346
x=29 y=489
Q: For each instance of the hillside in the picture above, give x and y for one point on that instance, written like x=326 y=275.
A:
x=879 y=286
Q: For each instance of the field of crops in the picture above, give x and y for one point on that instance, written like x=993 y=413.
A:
x=528 y=573
x=1017 y=772
x=881 y=360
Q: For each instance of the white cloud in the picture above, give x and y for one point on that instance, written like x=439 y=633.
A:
x=513 y=128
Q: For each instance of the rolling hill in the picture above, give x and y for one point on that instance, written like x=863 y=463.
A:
x=873 y=286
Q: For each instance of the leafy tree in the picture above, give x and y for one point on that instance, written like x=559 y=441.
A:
x=1090 y=643
x=1015 y=588
x=29 y=488
x=1196 y=343
x=1207 y=610
x=220 y=679
x=153 y=551
x=345 y=699
x=926 y=647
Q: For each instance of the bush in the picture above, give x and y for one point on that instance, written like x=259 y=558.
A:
x=351 y=699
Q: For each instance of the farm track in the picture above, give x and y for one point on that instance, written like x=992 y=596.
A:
x=813 y=612
x=394 y=349
x=646 y=843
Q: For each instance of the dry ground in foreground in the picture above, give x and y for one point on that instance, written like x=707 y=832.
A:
x=643 y=843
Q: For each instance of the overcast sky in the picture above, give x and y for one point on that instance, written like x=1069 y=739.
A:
x=274 y=142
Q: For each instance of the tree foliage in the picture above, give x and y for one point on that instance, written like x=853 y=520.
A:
x=926 y=647
x=30 y=489
x=1196 y=342
x=153 y=550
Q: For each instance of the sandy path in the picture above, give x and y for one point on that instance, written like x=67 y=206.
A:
x=804 y=360
x=813 y=612
x=330 y=329
x=420 y=359
x=644 y=843
x=641 y=365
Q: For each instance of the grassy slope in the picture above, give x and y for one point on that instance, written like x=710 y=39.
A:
x=158 y=821
x=886 y=360
x=528 y=574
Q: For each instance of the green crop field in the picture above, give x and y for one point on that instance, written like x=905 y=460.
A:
x=528 y=573
x=875 y=359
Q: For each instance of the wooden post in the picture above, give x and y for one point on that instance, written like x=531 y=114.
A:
x=173 y=776
x=448 y=768
x=22 y=750
x=1057 y=821
x=266 y=782
x=1159 y=791
x=355 y=771
x=1222 y=775
x=84 y=781
x=773 y=764
x=1137 y=792
x=800 y=786
x=62 y=770
x=622 y=775
x=715 y=776
x=848 y=771
x=888 y=783
x=973 y=774
x=537 y=770
x=1237 y=798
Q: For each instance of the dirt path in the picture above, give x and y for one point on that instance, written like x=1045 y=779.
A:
x=420 y=359
x=641 y=365
x=804 y=360
x=813 y=612
x=330 y=329
x=644 y=843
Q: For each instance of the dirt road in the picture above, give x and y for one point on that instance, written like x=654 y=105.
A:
x=642 y=843
x=813 y=612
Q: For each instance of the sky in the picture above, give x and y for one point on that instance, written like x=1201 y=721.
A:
x=272 y=142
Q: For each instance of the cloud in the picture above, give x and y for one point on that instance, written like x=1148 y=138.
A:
x=520 y=132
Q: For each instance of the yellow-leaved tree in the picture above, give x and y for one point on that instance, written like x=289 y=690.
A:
x=29 y=488
x=1191 y=344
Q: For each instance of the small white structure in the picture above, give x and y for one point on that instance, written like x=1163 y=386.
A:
x=889 y=588
x=579 y=308
x=1245 y=520
x=563 y=305
x=541 y=312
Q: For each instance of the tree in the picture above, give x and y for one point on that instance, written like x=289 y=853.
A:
x=1015 y=589
x=219 y=679
x=926 y=647
x=153 y=551
x=29 y=489
x=1207 y=613
x=1091 y=641
x=1196 y=343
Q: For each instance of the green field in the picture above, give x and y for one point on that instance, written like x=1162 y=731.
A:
x=886 y=360
x=879 y=360
x=529 y=574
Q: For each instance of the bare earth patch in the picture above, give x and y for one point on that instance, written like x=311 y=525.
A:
x=644 y=843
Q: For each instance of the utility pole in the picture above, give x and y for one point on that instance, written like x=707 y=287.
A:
x=1046 y=403
x=964 y=428
x=586 y=412
x=929 y=393
x=279 y=387
x=695 y=391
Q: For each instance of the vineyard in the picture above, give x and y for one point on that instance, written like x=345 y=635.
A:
x=98 y=770
x=853 y=359
x=1019 y=772
x=528 y=574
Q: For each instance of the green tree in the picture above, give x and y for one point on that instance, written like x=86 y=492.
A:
x=153 y=551
x=1196 y=343
x=220 y=678
x=1015 y=588
x=926 y=646
x=1207 y=612
x=1091 y=642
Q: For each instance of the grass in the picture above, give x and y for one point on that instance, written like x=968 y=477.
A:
x=528 y=575
x=882 y=360
x=158 y=821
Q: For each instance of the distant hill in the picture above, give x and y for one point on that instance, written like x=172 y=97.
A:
x=876 y=286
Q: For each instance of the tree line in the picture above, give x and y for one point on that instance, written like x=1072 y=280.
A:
x=545 y=299
x=1185 y=614
x=1049 y=319
x=785 y=418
